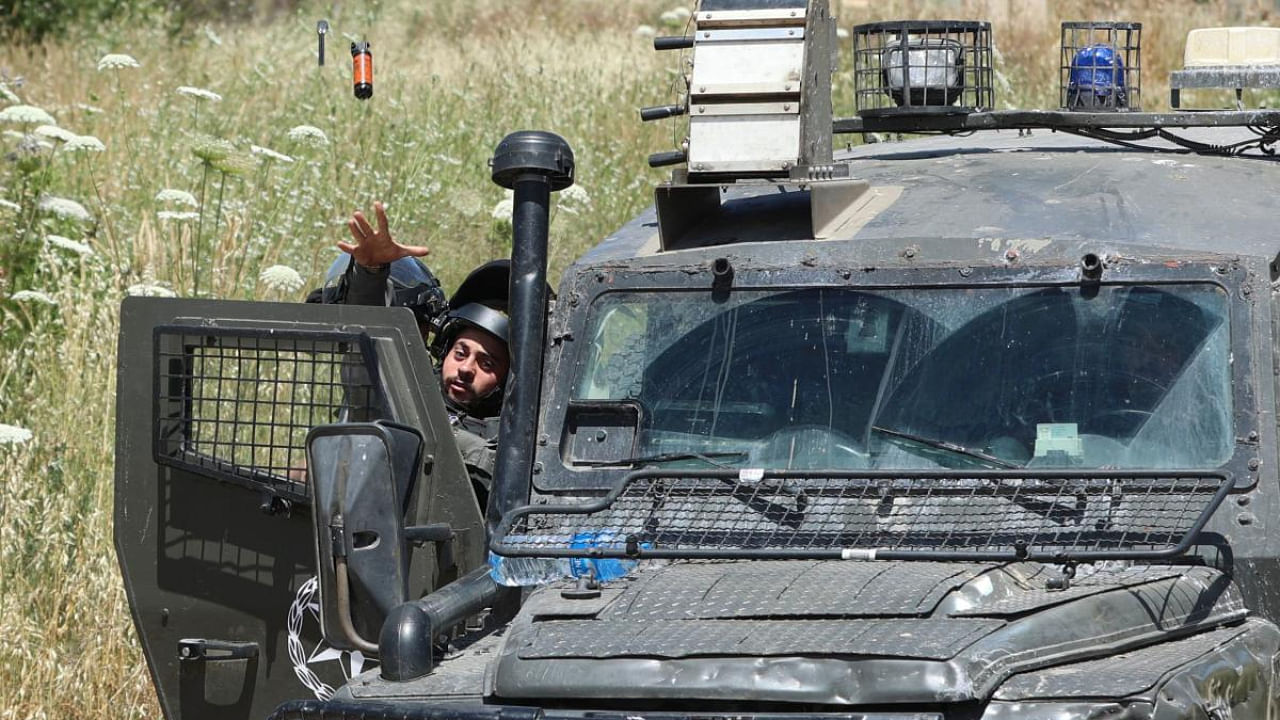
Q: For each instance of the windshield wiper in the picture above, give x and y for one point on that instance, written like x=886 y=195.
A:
x=708 y=457
x=947 y=447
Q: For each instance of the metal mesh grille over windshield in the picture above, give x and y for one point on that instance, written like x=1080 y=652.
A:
x=990 y=514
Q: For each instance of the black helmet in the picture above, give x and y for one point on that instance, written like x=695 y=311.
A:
x=479 y=302
x=489 y=285
x=412 y=286
x=472 y=315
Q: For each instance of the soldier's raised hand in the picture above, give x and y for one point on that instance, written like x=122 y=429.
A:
x=376 y=247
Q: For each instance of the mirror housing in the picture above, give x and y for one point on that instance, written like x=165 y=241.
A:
x=360 y=477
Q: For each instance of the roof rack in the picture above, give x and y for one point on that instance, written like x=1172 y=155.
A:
x=759 y=99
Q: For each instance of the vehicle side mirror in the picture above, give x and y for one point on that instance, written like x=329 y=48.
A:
x=361 y=476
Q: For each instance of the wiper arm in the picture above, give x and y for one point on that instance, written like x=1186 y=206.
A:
x=709 y=458
x=948 y=447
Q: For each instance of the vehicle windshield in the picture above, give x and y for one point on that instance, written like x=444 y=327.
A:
x=1117 y=376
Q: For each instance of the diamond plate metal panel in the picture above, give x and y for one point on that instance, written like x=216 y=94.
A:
x=1038 y=596
x=910 y=638
x=791 y=589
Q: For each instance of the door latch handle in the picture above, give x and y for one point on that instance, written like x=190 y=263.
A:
x=200 y=649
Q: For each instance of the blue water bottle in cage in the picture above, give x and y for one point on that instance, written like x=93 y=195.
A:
x=602 y=569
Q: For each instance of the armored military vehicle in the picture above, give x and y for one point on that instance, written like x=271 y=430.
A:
x=979 y=425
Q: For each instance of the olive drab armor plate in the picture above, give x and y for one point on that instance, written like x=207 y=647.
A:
x=213 y=527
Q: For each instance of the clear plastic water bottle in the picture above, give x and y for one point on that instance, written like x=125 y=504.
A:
x=519 y=571
x=603 y=569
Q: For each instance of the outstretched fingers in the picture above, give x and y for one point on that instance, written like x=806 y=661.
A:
x=360 y=226
x=384 y=228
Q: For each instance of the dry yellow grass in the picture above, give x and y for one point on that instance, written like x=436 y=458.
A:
x=452 y=79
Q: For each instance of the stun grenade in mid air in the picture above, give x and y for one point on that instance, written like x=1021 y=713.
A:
x=362 y=70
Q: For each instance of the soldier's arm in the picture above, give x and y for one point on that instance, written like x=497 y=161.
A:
x=373 y=252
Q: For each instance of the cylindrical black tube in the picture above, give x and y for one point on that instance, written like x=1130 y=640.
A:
x=528 y=302
x=658 y=112
x=532 y=164
x=404 y=645
x=671 y=157
x=1091 y=266
x=460 y=599
x=673 y=42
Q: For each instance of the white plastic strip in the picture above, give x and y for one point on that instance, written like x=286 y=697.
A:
x=750 y=474
x=857 y=554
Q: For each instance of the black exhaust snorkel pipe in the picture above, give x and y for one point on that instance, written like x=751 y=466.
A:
x=533 y=164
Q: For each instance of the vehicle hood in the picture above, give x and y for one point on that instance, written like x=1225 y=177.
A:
x=841 y=632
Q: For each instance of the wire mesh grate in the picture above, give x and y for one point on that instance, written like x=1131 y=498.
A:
x=922 y=66
x=988 y=514
x=238 y=405
x=1101 y=68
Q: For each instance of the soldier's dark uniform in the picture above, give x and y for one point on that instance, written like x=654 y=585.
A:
x=475 y=428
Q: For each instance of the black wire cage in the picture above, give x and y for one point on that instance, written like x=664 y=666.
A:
x=1101 y=68
x=916 y=67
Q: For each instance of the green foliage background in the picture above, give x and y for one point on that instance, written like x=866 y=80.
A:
x=452 y=78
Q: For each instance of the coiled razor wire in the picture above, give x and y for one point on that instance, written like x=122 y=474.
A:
x=303 y=602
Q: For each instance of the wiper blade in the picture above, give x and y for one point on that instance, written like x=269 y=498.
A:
x=709 y=458
x=948 y=447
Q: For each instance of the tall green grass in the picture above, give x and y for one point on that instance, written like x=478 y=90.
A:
x=452 y=78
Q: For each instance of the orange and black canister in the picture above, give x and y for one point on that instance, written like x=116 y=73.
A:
x=362 y=69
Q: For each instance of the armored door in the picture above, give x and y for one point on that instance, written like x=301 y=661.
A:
x=212 y=523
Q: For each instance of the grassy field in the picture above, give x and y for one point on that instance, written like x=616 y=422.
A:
x=83 y=223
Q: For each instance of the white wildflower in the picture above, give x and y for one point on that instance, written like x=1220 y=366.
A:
x=682 y=11
x=66 y=243
x=269 y=154
x=309 y=135
x=670 y=18
x=182 y=197
x=842 y=33
x=213 y=36
x=502 y=211
x=150 y=290
x=10 y=205
x=575 y=195
x=13 y=435
x=7 y=95
x=34 y=296
x=84 y=143
x=199 y=93
x=447 y=159
x=53 y=132
x=211 y=149
x=27 y=115
x=64 y=208
x=282 y=278
x=89 y=109
x=15 y=134
x=646 y=31
x=177 y=216
x=117 y=61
